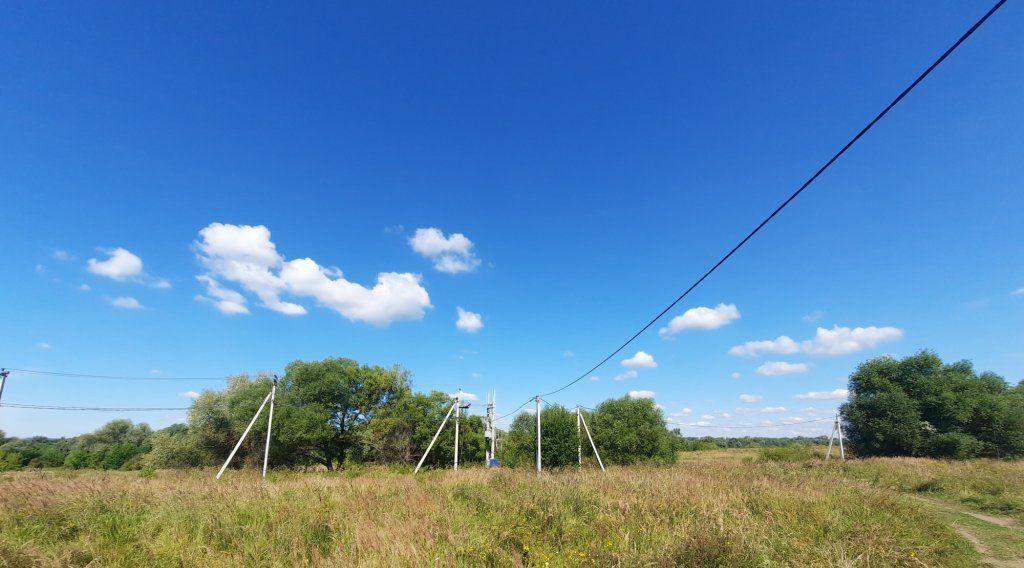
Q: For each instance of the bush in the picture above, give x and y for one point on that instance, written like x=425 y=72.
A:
x=953 y=445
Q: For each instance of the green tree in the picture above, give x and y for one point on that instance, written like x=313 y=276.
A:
x=628 y=431
x=326 y=407
x=920 y=406
x=558 y=439
x=177 y=447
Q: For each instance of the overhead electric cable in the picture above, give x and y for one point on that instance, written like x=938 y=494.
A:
x=792 y=196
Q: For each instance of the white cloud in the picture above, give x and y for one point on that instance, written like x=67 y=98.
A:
x=826 y=342
x=1018 y=292
x=702 y=423
x=630 y=374
x=84 y=287
x=120 y=265
x=707 y=417
x=775 y=368
x=641 y=359
x=245 y=255
x=836 y=394
x=641 y=394
x=814 y=316
x=683 y=412
x=43 y=345
x=702 y=318
x=781 y=346
x=452 y=254
x=475 y=375
x=62 y=255
x=189 y=394
x=224 y=299
x=124 y=266
x=595 y=378
x=468 y=321
x=125 y=302
x=843 y=340
x=745 y=410
x=568 y=354
x=774 y=409
x=750 y=398
x=735 y=375
x=154 y=371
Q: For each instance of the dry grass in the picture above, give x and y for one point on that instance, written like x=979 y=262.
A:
x=711 y=512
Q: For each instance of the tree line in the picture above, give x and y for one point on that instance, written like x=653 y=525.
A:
x=336 y=412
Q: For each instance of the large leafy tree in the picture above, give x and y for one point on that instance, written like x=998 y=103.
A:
x=628 y=431
x=558 y=439
x=326 y=407
x=920 y=406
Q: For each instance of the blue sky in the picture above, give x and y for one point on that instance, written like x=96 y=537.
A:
x=595 y=159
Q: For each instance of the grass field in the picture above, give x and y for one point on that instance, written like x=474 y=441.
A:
x=722 y=508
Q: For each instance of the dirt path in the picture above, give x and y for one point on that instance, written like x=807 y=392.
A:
x=983 y=549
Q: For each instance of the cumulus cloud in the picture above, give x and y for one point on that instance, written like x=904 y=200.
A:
x=468 y=321
x=640 y=360
x=124 y=266
x=774 y=409
x=702 y=318
x=774 y=368
x=224 y=299
x=452 y=254
x=125 y=303
x=750 y=397
x=836 y=394
x=245 y=255
x=826 y=342
x=641 y=394
x=707 y=417
x=630 y=374
x=189 y=394
x=1018 y=292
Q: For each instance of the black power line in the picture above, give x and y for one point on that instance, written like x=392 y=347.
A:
x=792 y=196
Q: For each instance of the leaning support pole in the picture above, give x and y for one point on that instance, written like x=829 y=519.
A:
x=438 y=433
x=839 y=431
x=244 y=434
x=537 y=400
x=270 y=423
x=591 y=438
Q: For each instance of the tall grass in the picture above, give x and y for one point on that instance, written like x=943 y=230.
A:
x=699 y=513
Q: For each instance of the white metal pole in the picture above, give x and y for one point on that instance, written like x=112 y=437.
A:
x=438 y=433
x=270 y=423
x=537 y=400
x=579 y=437
x=494 y=427
x=831 y=438
x=244 y=434
x=839 y=431
x=458 y=410
x=592 y=444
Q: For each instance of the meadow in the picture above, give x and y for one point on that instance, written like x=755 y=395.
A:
x=714 y=508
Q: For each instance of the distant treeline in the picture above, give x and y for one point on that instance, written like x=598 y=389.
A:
x=687 y=444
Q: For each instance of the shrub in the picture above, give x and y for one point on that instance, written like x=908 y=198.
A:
x=953 y=445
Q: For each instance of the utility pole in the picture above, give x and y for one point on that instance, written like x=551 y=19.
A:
x=3 y=380
x=494 y=427
x=489 y=429
x=837 y=431
x=537 y=400
x=458 y=409
x=434 y=439
x=270 y=422
x=245 y=433
x=591 y=438
x=579 y=437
